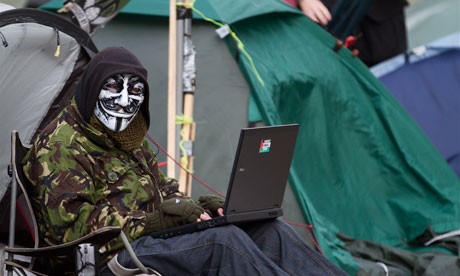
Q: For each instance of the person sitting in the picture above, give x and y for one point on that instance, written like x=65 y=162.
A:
x=91 y=167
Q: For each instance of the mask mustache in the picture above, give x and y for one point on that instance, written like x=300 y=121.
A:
x=117 y=110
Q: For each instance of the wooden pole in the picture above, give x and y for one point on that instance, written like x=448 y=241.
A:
x=172 y=68
x=189 y=134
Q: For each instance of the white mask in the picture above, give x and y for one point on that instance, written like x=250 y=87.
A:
x=119 y=101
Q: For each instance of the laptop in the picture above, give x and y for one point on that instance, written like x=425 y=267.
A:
x=257 y=182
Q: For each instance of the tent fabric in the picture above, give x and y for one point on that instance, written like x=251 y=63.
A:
x=32 y=66
x=225 y=11
x=434 y=48
x=358 y=150
x=427 y=85
x=438 y=258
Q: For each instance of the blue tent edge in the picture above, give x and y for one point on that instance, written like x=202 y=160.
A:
x=432 y=49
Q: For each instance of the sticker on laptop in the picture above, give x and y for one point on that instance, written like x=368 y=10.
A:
x=265 y=145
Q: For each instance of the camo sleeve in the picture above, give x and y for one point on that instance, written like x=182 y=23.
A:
x=72 y=200
x=169 y=186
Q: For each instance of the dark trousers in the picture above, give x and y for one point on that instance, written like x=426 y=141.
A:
x=261 y=248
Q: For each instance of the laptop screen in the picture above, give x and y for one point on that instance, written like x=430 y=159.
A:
x=261 y=168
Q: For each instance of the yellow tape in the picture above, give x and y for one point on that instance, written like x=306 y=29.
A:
x=58 y=51
x=183 y=120
x=240 y=44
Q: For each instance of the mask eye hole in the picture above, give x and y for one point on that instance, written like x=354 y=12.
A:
x=136 y=90
x=111 y=87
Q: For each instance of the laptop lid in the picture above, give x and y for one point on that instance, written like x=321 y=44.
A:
x=258 y=180
x=261 y=168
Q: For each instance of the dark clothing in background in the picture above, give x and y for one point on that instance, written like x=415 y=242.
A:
x=438 y=258
x=381 y=33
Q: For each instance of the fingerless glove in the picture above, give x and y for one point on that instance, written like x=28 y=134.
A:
x=211 y=203
x=172 y=212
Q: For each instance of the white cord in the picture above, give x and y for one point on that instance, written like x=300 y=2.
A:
x=132 y=254
x=443 y=236
x=384 y=266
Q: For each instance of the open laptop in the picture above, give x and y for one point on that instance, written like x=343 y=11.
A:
x=258 y=180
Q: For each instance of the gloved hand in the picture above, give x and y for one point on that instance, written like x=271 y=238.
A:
x=173 y=212
x=211 y=203
x=178 y=211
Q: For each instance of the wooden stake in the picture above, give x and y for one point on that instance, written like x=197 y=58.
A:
x=172 y=88
x=191 y=159
x=188 y=131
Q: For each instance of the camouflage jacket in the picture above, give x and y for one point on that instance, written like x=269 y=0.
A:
x=81 y=182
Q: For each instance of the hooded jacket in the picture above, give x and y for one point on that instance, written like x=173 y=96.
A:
x=107 y=63
x=80 y=181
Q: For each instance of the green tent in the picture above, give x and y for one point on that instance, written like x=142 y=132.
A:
x=362 y=167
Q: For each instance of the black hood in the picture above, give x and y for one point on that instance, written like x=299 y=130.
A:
x=108 y=62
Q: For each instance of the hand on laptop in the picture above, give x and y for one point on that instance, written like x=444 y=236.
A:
x=211 y=203
x=177 y=211
x=206 y=216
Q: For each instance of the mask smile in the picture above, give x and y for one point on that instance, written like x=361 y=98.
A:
x=112 y=108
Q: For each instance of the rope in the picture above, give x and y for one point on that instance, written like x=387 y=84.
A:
x=178 y=164
x=384 y=266
x=443 y=236
x=2 y=37
x=29 y=227
x=308 y=226
x=310 y=235
x=240 y=44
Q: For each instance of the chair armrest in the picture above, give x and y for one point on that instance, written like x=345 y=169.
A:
x=100 y=236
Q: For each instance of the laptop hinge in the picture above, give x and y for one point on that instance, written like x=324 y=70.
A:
x=254 y=215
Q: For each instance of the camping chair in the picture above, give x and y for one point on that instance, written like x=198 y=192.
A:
x=84 y=249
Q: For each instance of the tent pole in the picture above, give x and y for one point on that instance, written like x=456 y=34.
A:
x=171 y=125
x=179 y=83
x=188 y=128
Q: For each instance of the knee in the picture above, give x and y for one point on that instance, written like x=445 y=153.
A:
x=284 y=229
x=226 y=234
x=275 y=226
